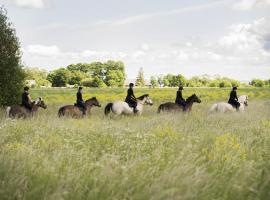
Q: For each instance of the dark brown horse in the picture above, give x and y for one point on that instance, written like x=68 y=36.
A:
x=173 y=107
x=75 y=111
x=19 y=111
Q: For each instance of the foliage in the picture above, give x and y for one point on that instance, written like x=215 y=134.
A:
x=154 y=81
x=110 y=73
x=39 y=75
x=259 y=82
x=140 y=81
x=171 y=80
x=59 y=77
x=11 y=73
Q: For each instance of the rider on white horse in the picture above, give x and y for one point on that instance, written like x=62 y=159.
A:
x=131 y=99
x=233 y=100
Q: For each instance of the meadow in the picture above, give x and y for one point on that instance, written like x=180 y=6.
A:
x=167 y=156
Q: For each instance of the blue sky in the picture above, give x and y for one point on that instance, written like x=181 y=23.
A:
x=225 y=37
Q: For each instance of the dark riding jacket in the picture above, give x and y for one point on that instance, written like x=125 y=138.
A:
x=131 y=99
x=79 y=97
x=233 y=100
x=130 y=96
x=233 y=96
x=80 y=102
x=179 y=98
x=26 y=100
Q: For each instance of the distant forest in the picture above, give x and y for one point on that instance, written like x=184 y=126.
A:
x=112 y=74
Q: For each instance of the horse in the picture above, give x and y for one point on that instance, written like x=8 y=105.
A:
x=226 y=107
x=75 y=111
x=20 y=111
x=121 y=107
x=173 y=107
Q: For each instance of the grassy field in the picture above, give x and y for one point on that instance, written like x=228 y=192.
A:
x=166 y=156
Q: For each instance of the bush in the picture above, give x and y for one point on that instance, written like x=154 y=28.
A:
x=11 y=72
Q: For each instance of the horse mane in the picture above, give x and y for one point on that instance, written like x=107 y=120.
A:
x=93 y=98
x=190 y=98
x=142 y=97
x=39 y=99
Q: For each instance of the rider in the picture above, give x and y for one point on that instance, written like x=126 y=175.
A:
x=26 y=99
x=179 y=98
x=131 y=99
x=80 y=102
x=234 y=99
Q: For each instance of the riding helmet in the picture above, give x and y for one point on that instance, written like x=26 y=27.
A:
x=26 y=88
x=131 y=84
x=181 y=87
x=80 y=88
x=234 y=88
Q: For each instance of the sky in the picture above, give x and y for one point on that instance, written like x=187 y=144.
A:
x=215 y=37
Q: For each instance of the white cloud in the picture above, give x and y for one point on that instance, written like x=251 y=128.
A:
x=247 y=42
x=29 y=3
x=246 y=5
x=41 y=50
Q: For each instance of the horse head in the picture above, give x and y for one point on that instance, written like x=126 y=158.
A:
x=243 y=99
x=146 y=99
x=194 y=98
x=40 y=103
x=93 y=101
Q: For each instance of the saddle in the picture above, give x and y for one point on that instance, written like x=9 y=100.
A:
x=76 y=105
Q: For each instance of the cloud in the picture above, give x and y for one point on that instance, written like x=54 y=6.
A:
x=248 y=42
x=146 y=16
x=29 y=3
x=246 y=5
x=243 y=48
x=41 y=50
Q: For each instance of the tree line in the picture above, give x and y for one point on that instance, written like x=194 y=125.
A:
x=112 y=74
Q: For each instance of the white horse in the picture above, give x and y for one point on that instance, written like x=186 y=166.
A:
x=121 y=107
x=226 y=107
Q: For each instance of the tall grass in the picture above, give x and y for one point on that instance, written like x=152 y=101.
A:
x=167 y=156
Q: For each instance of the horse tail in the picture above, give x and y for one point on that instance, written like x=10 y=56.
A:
x=160 y=108
x=61 y=112
x=8 y=111
x=108 y=108
x=213 y=108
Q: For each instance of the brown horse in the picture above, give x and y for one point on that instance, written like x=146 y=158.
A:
x=19 y=111
x=75 y=111
x=173 y=107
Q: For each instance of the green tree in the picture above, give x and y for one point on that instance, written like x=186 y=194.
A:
x=114 y=73
x=160 y=80
x=87 y=82
x=154 y=81
x=98 y=82
x=140 y=81
x=59 y=77
x=40 y=76
x=76 y=77
x=224 y=83
x=11 y=72
x=257 y=83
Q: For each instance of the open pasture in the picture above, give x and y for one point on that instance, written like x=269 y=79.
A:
x=166 y=156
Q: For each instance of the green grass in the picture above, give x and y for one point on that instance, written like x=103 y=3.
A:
x=167 y=156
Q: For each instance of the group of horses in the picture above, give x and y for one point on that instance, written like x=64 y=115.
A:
x=121 y=107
